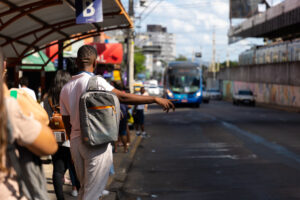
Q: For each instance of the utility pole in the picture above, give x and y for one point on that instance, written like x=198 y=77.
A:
x=193 y=56
x=130 y=48
x=227 y=55
x=214 y=55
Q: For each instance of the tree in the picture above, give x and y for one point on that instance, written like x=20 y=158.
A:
x=139 y=60
x=181 y=58
x=231 y=64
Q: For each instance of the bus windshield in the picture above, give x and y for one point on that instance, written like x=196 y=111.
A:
x=185 y=81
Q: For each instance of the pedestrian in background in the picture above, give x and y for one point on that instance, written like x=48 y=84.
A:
x=62 y=158
x=123 y=127
x=23 y=84
x=139 y=116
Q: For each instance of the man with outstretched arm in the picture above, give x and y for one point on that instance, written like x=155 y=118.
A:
x=92 y=164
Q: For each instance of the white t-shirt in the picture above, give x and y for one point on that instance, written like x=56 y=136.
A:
x=70 y=95
x=142 y=106
x=30 y=92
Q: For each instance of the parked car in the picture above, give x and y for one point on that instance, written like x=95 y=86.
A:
x=244 y=97
x=205 y=96
x=215 y=94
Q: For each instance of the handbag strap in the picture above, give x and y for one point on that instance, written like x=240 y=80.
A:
x=54 y=108
x=23 y=183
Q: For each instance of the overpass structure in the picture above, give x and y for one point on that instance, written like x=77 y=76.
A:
x=282 y=20
x=273 y=81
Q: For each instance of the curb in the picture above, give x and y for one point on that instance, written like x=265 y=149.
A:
x=122 y=164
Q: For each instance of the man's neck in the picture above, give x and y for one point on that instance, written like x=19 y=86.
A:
x=87 y=69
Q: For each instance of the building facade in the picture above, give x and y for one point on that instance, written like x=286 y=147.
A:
x=157 y=36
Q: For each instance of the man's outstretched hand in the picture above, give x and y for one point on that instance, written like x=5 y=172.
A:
x=165 y=103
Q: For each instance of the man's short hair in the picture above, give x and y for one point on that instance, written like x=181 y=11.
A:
x=86 y=55
x=24 y=81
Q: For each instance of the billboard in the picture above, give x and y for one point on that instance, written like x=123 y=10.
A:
x=244 y=8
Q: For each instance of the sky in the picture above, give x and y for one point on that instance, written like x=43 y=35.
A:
x=193 y=23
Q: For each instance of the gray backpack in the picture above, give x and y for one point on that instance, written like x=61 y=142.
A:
x=99 y=115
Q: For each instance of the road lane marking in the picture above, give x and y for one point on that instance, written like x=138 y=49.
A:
x=260 y=140
x=206 y=150
x=233 y=157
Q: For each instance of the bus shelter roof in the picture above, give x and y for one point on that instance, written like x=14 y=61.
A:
x=30 y=25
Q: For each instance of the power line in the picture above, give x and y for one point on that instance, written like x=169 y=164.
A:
x=152 y=10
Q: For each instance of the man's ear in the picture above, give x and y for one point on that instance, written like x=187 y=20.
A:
x=95 y=64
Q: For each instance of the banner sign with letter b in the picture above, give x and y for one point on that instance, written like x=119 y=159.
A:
x=88 y=11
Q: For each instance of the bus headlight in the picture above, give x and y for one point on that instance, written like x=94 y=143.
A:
x=198 y=94
x=170 y=94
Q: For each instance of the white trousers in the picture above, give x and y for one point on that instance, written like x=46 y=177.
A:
x=92 y=166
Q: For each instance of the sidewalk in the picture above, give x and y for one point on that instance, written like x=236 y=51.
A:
x=122 y=162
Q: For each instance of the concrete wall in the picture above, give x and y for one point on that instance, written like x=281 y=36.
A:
x=277 y=84
x=212 y=83
x=280 y=74
x=283 y=95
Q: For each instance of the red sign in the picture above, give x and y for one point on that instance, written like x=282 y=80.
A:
x=50 y=51
x=109 y=53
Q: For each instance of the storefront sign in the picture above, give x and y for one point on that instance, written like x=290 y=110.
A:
x=111 y=53
x=88 y=11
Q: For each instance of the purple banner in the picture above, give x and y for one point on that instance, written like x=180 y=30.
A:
x=88 y=11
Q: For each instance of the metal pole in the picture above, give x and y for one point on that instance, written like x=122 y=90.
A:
x=61 y=54
x=214 y=55
x=227 y=62
x=130 y=52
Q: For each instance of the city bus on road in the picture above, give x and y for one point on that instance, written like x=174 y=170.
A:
x=183 y=83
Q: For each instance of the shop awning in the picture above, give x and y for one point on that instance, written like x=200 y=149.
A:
x=32 y=24
x=36 y=61
x=109 y=53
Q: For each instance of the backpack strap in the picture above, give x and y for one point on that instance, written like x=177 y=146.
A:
x=93 y=84
x=23 y=183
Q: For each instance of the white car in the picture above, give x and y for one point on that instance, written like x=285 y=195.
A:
x=244 y=97
x=153 y=90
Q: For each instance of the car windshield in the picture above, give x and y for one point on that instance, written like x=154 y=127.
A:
x=213 y=90
x=245 y=92
x=184 y=82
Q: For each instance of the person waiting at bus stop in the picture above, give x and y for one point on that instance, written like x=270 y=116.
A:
x=62 y=160
x=92 y=164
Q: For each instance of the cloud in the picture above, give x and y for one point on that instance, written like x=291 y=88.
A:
x=193 y=22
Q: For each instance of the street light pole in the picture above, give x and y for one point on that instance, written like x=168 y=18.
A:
x=130 y=50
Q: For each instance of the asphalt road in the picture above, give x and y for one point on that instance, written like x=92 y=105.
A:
x=218 y=151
